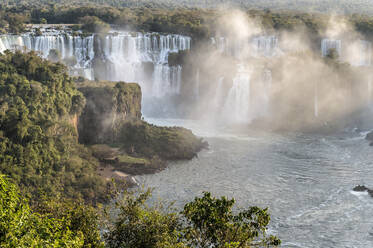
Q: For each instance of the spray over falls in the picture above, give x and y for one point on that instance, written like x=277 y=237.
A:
x=243 y=93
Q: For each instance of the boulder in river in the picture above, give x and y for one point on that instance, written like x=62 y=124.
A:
x=369 y=136
x=362 y=188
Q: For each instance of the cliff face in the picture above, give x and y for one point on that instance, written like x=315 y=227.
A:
x=111 y=124
x=108 y=107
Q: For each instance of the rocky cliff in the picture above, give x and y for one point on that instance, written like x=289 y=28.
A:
x=108 y=107
x=111 y=124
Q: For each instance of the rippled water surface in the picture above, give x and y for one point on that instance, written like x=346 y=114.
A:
x=304 y=179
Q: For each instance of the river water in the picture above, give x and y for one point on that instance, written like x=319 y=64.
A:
x=304 y=179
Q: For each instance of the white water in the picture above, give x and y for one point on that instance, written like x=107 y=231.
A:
x=218 y=93
x=197 y=84
x=257 y=46
x=125 y=53
x=364 y=53
x=265 y=45
x=357 y=53
x=316 y=101
x=327 y=44
x=237 y=105
x=143 y=58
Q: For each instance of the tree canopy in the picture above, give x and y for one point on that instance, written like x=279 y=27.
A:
x=39 y=105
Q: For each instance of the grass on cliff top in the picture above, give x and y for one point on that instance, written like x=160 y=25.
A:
x=132 y=160
x=81 y=83
x=104 y=151
x=170 y=143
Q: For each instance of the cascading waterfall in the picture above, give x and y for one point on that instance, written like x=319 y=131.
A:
x=167 y=80
x=196 y=87
x=218 y=93
x=265 y=45
x=237 y=104
x=126 y=53
x=364 y=53
x=236 y=107
x=316 y=100
x=69 y=46
x=369 y=89
x=143 y=58
x=266 y=89
x=327 y=44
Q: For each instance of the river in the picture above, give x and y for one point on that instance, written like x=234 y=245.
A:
x=304 y=179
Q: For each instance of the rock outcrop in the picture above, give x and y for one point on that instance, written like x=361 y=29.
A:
x=112 y=126
x=362 y=188
x=108 y=107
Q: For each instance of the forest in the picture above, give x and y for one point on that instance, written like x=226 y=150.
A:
x=196 y=22
x=320 y=6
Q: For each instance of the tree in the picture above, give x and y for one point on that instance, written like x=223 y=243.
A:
x=212 y=223
x=39 y=149
x=15 y=22
x=93 y=24
x=141 y=226
x=204 y=222
x=20 y=227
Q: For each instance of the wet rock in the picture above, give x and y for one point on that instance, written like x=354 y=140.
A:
x=369 y=136
x=362 y=188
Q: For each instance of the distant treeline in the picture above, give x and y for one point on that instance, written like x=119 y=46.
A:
x=316 y=6
x=197 y=22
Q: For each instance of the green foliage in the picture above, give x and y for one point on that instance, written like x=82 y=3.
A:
x=81 y=219
x=204 y=222
x=171 y=143
x=177 y=17
x=38 y=139
x=15 y=22
x=212 y=223
x=93 y=24
x=20 y=227
x=141 y=226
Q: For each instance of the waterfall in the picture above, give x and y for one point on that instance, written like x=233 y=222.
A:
x=218 y=93
x=364 y=53
x=166 y=81
x=260 y=96
x=2 y=46
x=128 y=52
x=236 y=107
x=124 y=55
x=369 y=88
x=266 y=89
x=196 y=87
x=316 y=100
x=327 y=44
x=265 y=45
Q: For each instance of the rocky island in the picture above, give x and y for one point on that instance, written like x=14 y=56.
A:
x=111 y=125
